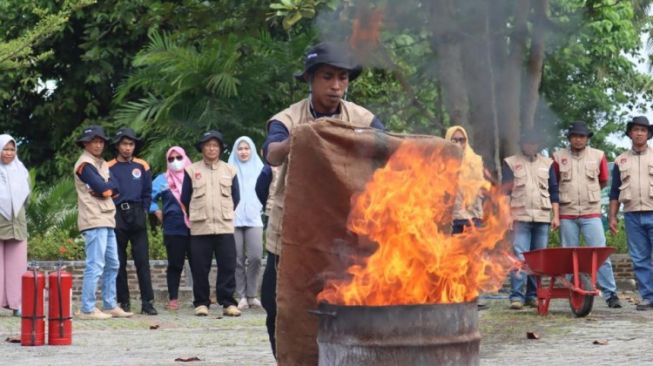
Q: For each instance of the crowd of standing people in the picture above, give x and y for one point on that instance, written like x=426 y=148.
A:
x=215 y=209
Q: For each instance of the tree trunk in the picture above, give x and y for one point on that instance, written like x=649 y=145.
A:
x=535 y=65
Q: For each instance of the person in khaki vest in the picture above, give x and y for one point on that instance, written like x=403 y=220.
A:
x=529 y=180
x=581 y=172
x=632 y=186
x=210 y=195
x=328 y=69
x=96 y=222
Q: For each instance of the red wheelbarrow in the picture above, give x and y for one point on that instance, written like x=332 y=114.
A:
x=556 y=263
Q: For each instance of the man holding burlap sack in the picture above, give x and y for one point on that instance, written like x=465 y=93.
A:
x=328 y=69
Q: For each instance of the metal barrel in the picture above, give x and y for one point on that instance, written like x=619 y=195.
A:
x=436 y=334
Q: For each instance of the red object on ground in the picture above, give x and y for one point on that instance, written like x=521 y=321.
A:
x=581 y=263
x=60 y=326
x=32 y=328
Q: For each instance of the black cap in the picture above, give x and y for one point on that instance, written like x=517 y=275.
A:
x=126 y=132
x=531 y=136
x=640 y=121
x=206 y=136
x=579 y=128
x=90 y=133
x=333 y=54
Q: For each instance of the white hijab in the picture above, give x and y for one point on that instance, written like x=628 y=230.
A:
x=14 y=183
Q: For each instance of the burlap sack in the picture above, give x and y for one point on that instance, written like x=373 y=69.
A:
x=329 y=161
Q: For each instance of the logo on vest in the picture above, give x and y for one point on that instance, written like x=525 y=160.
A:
x=198 y=175
x=564 y=161
x=136 y=173
x=623 y=161
x=518 y=167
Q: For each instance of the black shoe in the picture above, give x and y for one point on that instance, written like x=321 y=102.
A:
x=481 y=306
x=644 y=305
x=613 y=302
x=125 y=306
x=148 y=309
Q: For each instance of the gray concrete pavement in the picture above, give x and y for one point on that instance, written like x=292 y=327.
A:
x=563 y=340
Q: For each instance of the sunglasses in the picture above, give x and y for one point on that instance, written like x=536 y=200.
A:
x=173 y=158
x=456 y=140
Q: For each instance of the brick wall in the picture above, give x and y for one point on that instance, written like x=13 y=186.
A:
x=620 y=262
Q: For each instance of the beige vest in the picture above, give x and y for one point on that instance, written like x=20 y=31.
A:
x=211 y=210
x=273 y=189
x=530 y=200
x=580 y=191
x=94 y=212
x=296 y=114
x=636 y=190
x=473 y=211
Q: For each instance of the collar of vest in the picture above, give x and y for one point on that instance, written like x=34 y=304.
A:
x=95 y=159
x=634 y=152
x=213 y=165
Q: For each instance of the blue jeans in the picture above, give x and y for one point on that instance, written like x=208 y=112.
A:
x=101 y=261
x=527 y=236
x=594 y=235
x=639 y=235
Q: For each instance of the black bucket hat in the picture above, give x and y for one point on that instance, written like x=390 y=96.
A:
x=329 y=53
x=206 y=136
x=126 y=132
x=640 y=121
x=579 y=128
x=90 y=133
x=531 y=136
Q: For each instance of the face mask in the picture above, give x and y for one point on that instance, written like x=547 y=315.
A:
x=176 y=165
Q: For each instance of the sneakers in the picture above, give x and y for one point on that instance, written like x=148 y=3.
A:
x=117 y=312
x=148 y=309
x=202 y=310
x=253 y=302
x=96 y=314
x=644 y=305
x=613 y=302
x=172 y=305
x=243 y=303
x=532 y=302
x=16 y=312
x=516 y=305
x=231 y=310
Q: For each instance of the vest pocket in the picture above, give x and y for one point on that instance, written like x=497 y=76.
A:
x=625 y=195
x=227 y=211
x=594 y=196
x=564 y=197
x=517 y=199
x=545 y=200
x=225 y=187
x=106 y=205
x=197 y=209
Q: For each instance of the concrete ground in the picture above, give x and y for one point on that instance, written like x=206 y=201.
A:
x=624 y=337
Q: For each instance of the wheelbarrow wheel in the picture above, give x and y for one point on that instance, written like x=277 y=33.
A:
x=581 y=305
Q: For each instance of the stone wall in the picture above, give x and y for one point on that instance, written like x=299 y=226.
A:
x=621 y=265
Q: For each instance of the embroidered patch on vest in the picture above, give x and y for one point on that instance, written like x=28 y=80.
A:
x=198 y=175
x=623 y=161
x=518 y=166
x=564 y=161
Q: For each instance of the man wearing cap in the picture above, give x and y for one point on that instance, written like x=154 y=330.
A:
x=210 y=194
x=96 y=222
x=135 y=184
x=581 y=172
x=632 y=186
x=529 y=179
x=328 y=69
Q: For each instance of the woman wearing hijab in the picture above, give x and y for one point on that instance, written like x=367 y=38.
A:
x=468 y=208
x=176 y=232
x=14 y=189
x=248 y=223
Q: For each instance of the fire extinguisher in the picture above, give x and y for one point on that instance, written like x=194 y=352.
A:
x=32 y=327
x=60 y=328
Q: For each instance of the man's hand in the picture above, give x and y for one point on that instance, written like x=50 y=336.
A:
x=614 y=225
x=159 y=216
x=278 y=152
x=555 y=223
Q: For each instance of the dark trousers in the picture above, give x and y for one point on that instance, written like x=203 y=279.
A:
x=459 y=225
x=178 y=249
x=130 y=227
x=269 y=298
x=202 y=250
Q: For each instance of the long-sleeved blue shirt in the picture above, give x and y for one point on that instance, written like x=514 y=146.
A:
x=91 y=177
x=508 y=179
x=173 y=215
x=134 y=181
x=263 y=184
x=187 y=191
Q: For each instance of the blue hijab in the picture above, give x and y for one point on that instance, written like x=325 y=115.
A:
x=248 y=211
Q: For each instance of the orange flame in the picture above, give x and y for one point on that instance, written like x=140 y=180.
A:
x=406 y=210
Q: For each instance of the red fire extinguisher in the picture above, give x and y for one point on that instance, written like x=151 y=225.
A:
x=32 y=328
x=60 y=327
